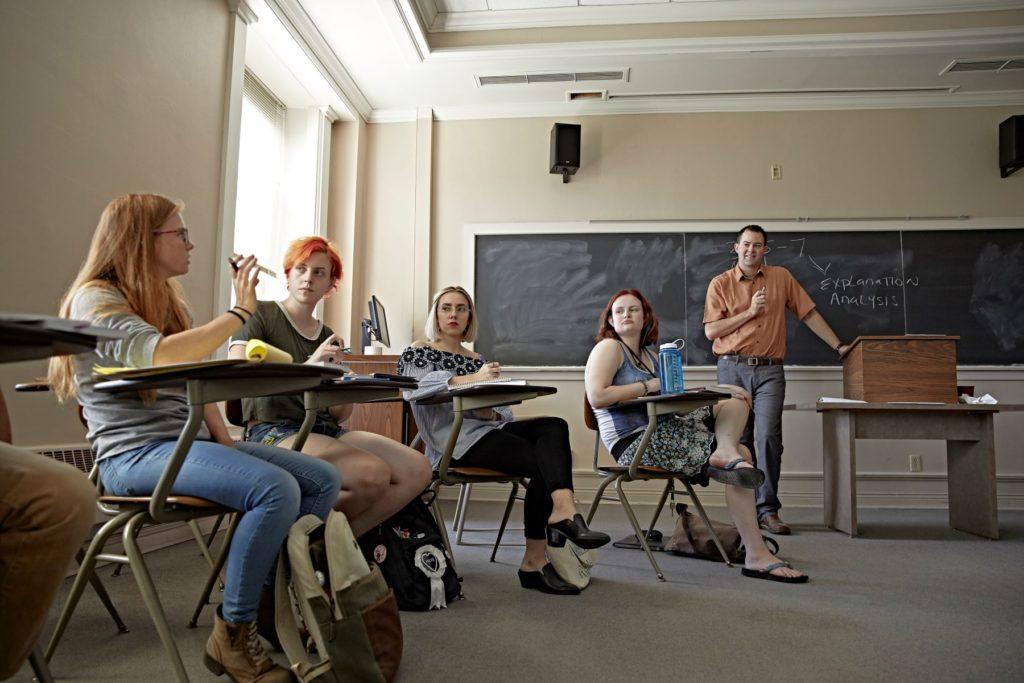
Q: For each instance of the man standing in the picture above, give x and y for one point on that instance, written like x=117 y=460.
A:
x=745 y=317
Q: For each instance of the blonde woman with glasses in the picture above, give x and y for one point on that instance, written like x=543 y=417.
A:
x=536 y=448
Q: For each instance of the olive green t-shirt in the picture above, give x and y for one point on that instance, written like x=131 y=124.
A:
x=270 y=323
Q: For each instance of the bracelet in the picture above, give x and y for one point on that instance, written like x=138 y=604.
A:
x=237 y=315
x=646 y=390
x=243 y=308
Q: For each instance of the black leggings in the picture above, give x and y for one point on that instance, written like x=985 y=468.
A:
x=537 y=449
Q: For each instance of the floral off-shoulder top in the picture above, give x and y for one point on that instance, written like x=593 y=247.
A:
x=432 y=369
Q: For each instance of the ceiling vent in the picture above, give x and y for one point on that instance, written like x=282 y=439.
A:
x=554 y=77
x=989 y=64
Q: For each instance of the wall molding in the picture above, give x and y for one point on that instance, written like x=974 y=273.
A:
x=710 y=104
x=831 y=43
x=742 y=10
x=797 y=489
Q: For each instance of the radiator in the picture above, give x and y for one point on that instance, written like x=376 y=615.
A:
x=80 y=456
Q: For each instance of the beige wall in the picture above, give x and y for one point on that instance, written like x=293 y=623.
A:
x=101 y=98
x=715 y=165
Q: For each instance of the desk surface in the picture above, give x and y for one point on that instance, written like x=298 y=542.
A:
x=488 y=390
x=171 y=376
x=669 y=398
x=29 y=338
x=908 y=407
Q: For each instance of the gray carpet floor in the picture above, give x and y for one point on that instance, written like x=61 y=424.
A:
x=909 y=599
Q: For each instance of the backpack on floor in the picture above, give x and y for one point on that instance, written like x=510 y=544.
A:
x=409 y=551
x=345 y=605
x=692 y=538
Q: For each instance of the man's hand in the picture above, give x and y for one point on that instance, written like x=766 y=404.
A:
x=758 y=302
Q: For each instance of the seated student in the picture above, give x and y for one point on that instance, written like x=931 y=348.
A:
x=623 y=366
x=536 y=448
x=127 y=283
x=46 y=511
x=379 y=476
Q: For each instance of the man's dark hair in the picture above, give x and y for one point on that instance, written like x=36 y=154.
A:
x=753 y=228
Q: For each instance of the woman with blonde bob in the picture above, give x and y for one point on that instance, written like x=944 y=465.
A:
x=536 y=448
x=378 y=475
x=623 y=366
x=127 y=283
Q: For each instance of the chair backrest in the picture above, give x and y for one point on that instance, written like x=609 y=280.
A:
x=233 y=411
x=589 y=418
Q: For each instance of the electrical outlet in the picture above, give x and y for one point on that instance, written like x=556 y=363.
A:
x=776 y=172
x=915 y=463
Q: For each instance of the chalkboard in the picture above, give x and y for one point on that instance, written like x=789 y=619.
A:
x=540 y=296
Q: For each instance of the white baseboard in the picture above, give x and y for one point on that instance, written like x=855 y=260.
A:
x=797 y=489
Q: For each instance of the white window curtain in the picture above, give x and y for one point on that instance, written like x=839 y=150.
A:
x=259 y=214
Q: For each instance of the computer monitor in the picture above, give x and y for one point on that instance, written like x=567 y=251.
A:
x=377 y=325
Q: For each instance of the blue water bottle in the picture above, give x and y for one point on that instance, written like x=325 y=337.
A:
x=670 y=358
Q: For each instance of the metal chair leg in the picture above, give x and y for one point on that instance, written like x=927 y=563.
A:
x=707 y=522
x=660 y=505
x=435 y=508
x=101 y=592
x=636 y=528
x=200 y=541
x=148 y=590
x=39 y=665
x=215 y=570
x=600 y=494
x=460 y=511
x=84 y=572
x=504 y=518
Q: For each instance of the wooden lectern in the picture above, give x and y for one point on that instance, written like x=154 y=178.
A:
x=881 y=369
x=386 y=419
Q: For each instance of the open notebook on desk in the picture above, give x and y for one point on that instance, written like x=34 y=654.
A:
x=505 y=381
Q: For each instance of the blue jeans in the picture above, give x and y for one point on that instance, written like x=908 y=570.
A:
x=272 y=487
x=273 y=433
x=763 y=433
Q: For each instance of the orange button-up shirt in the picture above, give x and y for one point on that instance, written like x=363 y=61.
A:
x=765 y=335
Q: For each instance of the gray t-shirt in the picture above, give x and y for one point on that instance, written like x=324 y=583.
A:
x=270 y=323
x=122 y=422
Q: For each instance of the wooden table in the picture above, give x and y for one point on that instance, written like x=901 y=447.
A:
x=970 y=455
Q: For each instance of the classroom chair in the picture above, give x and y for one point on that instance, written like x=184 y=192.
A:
x=619 y=474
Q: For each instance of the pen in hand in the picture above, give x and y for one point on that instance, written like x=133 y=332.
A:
x=235 y=258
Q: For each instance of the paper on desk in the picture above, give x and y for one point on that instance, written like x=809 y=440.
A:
x=829 y=399
x=987 y=399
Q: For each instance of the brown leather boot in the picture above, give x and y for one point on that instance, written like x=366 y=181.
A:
x=235 y=649
x=773 y=524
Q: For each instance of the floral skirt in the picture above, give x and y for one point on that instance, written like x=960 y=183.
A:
x=679 y=444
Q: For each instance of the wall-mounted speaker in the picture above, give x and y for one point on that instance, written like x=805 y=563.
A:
x=1011 y=145
x=565 y=149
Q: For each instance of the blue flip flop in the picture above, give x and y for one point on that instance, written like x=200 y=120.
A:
x=766 y=573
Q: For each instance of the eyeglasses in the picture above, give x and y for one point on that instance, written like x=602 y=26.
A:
x=181 y=232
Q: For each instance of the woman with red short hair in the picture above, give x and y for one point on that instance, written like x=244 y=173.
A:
x=378 y=475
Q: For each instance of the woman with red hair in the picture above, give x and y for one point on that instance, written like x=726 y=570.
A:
x=378 y=475
x=624 y=366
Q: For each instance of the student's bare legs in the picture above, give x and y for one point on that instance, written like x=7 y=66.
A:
x=730 y=420
x=378 y=475
x=742 y=508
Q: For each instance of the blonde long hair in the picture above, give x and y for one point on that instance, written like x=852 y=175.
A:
x=122 y=258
